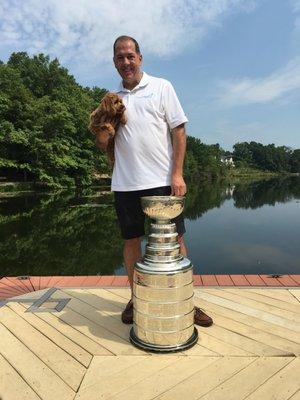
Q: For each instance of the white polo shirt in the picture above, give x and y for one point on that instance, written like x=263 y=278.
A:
x=143 y=148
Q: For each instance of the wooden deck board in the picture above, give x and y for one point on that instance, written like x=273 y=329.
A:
x=83 y=352
x=11 y=286
x=57 y=359
x=206 y=379
x=248 y=320
x=239 y=386
x=46 y=383
x=283 y=295
x=75 y=351
x=165 y=379
x=70 y=332
x=12 y=386
x=279 y=309
x=249 y=310
x=282 y=385
x=295 y=293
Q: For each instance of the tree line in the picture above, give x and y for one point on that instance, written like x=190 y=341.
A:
x=267 y=157
x=44 y=138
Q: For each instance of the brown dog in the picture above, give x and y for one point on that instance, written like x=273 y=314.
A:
x=105 y=121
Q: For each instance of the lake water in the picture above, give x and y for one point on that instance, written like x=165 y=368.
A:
x=242 y=228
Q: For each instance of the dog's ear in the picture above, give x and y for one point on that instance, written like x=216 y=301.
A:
x=94 y=117
x=93 y=121
x=111 y=105
x=104 y=105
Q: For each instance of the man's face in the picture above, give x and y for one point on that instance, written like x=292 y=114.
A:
x=128 y=62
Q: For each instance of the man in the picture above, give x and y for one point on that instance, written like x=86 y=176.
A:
x=147 y=161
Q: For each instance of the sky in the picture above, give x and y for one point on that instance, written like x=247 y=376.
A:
x=235 y=64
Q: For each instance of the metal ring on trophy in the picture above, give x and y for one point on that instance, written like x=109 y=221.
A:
x=164 y=280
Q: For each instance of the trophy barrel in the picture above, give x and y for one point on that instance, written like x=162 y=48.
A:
x=163 y=309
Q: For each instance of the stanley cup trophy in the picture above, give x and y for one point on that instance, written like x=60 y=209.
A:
x=163 y=314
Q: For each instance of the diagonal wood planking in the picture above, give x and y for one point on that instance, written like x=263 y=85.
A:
x=83 y=352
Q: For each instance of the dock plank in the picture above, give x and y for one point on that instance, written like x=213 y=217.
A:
x=291 y=318
x=203 y=381
x=115 y=383
x=284 y=347
x=12 y=386
x=279 y=298
x=88 y=321
x=166 y=378
x=245 y=309
x=70 y=332
x=65 y=366
x=243 y=342
x=240 y=386
x=46 y=383
x=75 y=351
x=89 y=309
x=222 y=309
x=219 y=346
x=280 y=386
x=295 y=293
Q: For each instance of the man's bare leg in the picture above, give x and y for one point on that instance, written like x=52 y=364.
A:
x=183 y=250
x=132 y=253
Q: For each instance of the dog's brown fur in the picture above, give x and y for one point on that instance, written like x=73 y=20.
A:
x=105 y=121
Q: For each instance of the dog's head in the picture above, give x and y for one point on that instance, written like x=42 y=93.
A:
x=110 y=110
x=112 y=105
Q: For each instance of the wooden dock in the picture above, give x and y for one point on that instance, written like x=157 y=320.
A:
x=83 y=352
x=17 y=285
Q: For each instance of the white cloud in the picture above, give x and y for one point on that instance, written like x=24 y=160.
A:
x=278 y=85
x=296 y=5
x=282 y=82
x=81 y=32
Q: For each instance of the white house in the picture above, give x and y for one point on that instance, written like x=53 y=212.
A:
x=228 y=160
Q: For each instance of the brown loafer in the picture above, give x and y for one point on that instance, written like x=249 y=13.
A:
x=201 y=319
x=127 y=314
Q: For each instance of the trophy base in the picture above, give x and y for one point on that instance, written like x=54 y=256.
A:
x=163 y=349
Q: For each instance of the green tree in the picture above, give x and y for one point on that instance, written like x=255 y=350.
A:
x=295 y=161
x=43 y=126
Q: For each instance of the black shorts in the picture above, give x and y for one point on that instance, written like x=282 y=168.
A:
x=130 y=214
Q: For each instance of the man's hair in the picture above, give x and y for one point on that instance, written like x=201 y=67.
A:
x=123 y=38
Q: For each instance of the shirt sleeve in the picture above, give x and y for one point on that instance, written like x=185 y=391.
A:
x=174 y=113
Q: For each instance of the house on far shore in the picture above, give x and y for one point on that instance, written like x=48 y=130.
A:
x=228 y=160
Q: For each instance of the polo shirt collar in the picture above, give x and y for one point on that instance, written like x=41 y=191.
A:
x=144 y=82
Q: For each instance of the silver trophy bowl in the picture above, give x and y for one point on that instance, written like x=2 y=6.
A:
x=162 y=208
x=163 y=284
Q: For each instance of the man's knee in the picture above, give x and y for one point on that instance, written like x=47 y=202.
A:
x=132 y=243
x=180 y=239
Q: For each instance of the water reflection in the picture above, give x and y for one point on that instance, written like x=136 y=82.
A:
x=76 y=233
x=269 y=192
x=60 y=234
x=252 y=195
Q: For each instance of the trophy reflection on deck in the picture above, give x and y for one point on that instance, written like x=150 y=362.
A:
x=163 y=284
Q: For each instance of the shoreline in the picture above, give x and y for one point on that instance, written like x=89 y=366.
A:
x=12 y=188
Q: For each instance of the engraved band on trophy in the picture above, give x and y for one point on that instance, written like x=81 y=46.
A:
x=163 y=284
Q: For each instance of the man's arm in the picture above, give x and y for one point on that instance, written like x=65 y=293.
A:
x=179 y=147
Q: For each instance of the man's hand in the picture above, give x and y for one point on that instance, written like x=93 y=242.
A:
x=178 y=186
